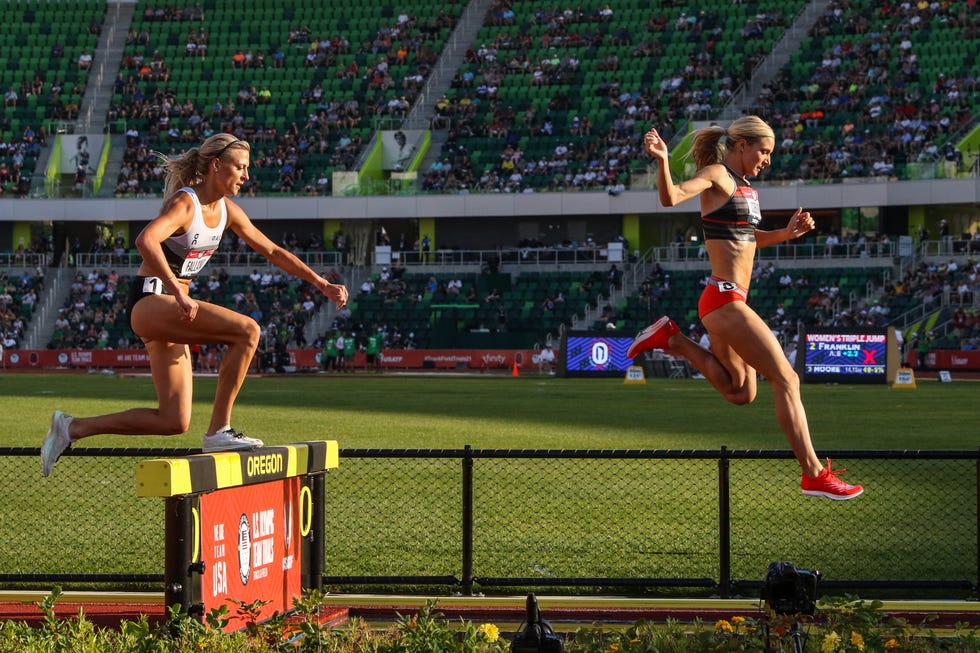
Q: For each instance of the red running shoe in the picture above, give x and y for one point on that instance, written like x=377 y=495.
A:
x=829 y=486
x=654 y=336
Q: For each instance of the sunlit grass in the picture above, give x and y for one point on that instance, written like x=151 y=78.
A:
x=649 y=523
x=505 y=412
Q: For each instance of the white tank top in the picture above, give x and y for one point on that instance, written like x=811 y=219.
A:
x=190 y=251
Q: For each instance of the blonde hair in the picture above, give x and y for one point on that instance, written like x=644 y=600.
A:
x=191 y=167
x=711 y=143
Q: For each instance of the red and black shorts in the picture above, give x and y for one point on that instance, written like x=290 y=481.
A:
x=142 y=287
x=719 y=292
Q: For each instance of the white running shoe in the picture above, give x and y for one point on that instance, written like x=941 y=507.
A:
x=229 y=440
x=55 y=442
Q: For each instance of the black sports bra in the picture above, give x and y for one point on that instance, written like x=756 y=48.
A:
x=737 y=218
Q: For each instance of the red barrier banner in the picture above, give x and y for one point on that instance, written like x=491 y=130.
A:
x=75 y=358
x=472 y=359
x=948 y=359
x=250 y=544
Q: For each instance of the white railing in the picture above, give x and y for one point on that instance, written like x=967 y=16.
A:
x=13 y=260
x=250 y=259
x=849 y=253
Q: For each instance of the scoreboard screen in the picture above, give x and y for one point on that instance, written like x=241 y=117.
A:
x=828 y=355
x=595 y=353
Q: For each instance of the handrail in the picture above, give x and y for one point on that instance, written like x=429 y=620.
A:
x=873 y=254
x=13 y=260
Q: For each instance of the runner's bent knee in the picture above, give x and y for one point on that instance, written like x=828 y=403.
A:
x=250 y=333
x=174 y=424
x=741 y=397
x=786 y=378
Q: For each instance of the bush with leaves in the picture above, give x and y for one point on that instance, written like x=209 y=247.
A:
x=844 y=625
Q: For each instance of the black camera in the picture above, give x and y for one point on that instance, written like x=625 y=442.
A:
x=537 y=636
x=790 y=589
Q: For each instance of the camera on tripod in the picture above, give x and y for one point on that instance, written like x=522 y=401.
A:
x=537 y=636
x=790 y=590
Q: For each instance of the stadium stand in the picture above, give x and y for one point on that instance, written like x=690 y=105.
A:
x=554 y=98
x=43 y=49
x=306 y=85
x=548 y=98
x=93 y=315
x=18 y=298
x=874 y=89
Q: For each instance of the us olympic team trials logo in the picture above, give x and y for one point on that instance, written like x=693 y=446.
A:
x=244 y=549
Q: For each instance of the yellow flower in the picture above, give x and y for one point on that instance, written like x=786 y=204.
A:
x=738 y=620
x=489 y=632
x=614 y=647
x=857 y=640
x=723 y=626
x=892 y=644
x=830 y=642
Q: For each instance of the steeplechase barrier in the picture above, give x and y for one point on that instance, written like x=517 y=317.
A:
x=247 y=526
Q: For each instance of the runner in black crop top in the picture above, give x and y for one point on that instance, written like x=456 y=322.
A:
x=743 y=345
x=737 y=218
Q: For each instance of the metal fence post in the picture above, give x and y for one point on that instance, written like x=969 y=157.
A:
x=467 y=514
x=724 y=525
x=182 y=566
x=317 y=550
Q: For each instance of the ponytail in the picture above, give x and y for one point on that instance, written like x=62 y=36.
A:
x=711 y=143
x=190 y=168
x=710 y=146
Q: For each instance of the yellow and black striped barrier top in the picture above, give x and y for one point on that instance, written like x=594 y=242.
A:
x=170 y=477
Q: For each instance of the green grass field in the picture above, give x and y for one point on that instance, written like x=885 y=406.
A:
x=504 y=412
x=654 y=519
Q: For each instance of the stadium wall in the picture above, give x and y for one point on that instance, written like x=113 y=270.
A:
x=482 y=360
x=929 y=192
x=896 y=208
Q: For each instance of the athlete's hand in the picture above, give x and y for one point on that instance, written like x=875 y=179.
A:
x=335 y=292
x=186 y=308
x=800 y=223
x=655 y=145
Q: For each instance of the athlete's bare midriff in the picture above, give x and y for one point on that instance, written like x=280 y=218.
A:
x=145 y=271
x=732 y=260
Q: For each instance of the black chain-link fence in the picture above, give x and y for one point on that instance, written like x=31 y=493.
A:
x=684 y=522
x=83 y=523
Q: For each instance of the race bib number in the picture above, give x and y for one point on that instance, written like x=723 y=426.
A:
x=152 y=285
x=751 y=197
x=195 y=261
x=728 y=286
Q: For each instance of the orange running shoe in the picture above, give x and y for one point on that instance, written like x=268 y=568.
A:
x=828 y=485
x=654 y=336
